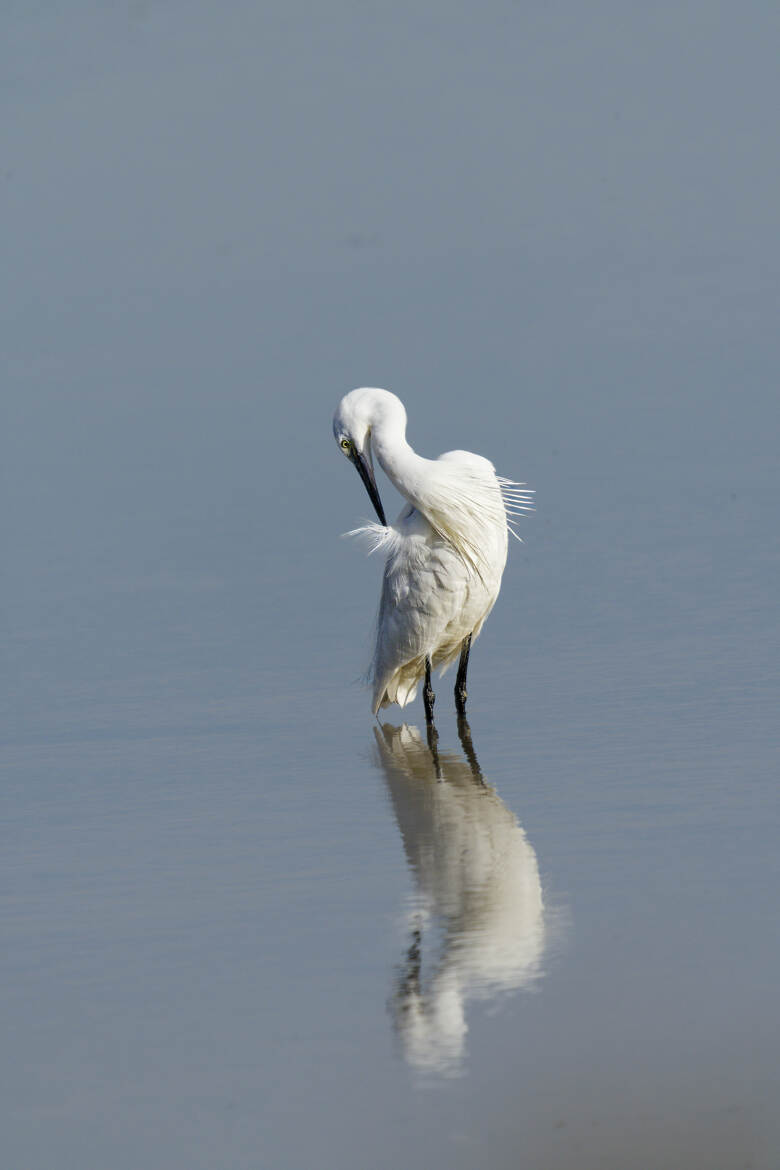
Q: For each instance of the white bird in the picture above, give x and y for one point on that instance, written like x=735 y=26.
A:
x=445 y=553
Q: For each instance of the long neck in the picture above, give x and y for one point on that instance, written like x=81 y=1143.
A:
x=402 y=466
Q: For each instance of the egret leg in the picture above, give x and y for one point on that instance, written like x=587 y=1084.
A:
x=428 y=696
x=460 y=682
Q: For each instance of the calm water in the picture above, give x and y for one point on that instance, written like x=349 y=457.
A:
x=243 y=924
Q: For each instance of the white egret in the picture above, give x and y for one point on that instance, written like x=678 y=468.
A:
x=445 y=553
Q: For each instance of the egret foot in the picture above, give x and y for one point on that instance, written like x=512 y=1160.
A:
x=428 y=696
x=461 y=694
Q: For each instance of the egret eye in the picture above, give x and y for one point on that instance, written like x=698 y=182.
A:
x=345 y=444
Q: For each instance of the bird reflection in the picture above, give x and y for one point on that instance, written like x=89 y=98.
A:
x=477 y=922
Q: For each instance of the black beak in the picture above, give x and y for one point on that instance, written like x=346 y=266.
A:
x=367 y=475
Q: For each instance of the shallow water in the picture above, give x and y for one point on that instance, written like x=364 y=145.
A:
x=244 y=924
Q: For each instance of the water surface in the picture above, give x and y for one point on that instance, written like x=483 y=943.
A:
x=242 y=923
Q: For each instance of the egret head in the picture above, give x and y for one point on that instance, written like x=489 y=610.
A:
x=352 y=429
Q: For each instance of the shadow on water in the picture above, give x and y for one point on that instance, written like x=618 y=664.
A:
x=477 y=923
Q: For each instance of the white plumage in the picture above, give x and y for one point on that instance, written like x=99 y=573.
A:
x=445 y=553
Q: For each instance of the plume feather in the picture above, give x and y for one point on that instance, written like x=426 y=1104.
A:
x=377 y=537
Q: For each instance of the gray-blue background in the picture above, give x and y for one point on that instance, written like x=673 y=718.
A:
x=554 y=231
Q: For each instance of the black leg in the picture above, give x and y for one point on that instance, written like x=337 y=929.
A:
x=430 y=727
x=428 y=696
x=460 y=682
